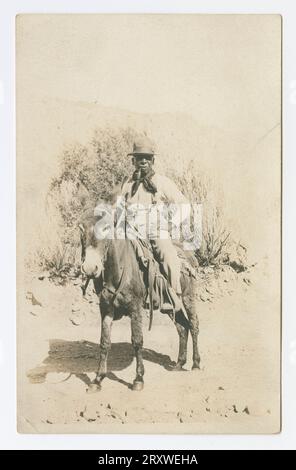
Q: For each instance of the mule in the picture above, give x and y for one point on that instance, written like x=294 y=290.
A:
x=119 y=283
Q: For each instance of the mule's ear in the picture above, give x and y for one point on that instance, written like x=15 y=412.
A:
x=81 y=228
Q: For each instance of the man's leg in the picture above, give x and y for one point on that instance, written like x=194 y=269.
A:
x=166 y=255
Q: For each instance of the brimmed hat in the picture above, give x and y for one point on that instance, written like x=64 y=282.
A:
x=142 y=147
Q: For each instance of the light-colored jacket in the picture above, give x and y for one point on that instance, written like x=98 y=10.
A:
x=148 y=213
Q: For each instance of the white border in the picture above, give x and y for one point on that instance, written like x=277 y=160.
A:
x=10 y=439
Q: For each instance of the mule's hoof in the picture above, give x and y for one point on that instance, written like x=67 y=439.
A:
x=195 y=367
x=137 y=386
x=177 y=368
x=94 y=387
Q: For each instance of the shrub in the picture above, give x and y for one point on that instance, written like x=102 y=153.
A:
x=89 y=173
x=200 y=189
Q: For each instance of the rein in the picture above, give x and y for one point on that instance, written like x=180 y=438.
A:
x=84 y=286
x=114 y=292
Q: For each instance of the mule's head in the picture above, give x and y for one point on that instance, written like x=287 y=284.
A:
x=92 y=250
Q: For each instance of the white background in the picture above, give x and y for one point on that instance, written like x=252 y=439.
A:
x=9 y=438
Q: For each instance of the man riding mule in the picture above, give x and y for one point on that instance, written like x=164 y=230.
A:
x=153 y=202
x=119 y=280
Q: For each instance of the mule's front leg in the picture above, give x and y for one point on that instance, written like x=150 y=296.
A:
x=105 y=347
x=137 y=342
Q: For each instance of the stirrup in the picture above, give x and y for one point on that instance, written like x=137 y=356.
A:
x=166 y=308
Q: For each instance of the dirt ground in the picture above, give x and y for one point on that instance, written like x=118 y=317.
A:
x=237 y=389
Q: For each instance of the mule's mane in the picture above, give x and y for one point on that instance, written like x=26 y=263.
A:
x=88 y=221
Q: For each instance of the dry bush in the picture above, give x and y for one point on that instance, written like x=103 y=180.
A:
x=200 y=189
x=88 y=174
x=216 y=240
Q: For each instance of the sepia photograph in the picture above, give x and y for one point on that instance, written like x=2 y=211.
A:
x=149 y=160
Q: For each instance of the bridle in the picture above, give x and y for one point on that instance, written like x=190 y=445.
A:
x=84 y=285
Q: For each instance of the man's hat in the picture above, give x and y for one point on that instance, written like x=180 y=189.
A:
x=142 y=147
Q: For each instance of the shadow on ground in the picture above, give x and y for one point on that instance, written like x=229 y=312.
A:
x=81 y=357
